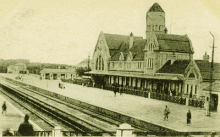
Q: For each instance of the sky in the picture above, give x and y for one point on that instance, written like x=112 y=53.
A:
x=66 y=31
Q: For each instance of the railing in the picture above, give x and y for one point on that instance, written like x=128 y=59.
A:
x=72 y=133
x=155 y=95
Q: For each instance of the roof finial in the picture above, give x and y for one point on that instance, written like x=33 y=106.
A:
x=131 y=34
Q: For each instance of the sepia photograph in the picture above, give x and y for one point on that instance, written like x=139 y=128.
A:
x=121 y=68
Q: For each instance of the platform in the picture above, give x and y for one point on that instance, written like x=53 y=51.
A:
x=146 y=109
x=12 y=119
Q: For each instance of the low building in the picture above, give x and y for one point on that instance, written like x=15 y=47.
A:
x=19 y=68
x=57 y=74
x=84 y=63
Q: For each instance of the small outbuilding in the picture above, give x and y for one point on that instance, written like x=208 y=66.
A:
x=19 y=68
x=57 y=74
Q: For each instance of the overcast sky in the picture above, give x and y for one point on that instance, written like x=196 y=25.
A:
x=66 y=31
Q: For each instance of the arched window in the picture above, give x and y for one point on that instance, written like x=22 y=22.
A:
x=102 y=64
x=99 y=63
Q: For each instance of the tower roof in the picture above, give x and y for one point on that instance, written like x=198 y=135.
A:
x=155 y=8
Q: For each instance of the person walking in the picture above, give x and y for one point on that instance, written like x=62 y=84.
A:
x=25 y=128
x=189 y=116
x=4 y=108
x=166 y=113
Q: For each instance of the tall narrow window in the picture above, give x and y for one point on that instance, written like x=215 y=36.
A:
x=139 y=65
x=187 y=88
x=195 y=89
x=102 y=64
x=97 y=62
x=100 y=61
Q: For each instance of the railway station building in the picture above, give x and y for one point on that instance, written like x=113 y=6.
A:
x=161 y=64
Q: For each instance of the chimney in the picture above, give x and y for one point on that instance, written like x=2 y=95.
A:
x=165 y=30
x=131 y=40
x=206 y=57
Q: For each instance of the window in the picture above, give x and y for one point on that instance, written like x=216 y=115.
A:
x=187 y=88
x=150 y=63
x=113 y=65
x=99 y=63
x=195 y=89
x=139 y=65
x=156 y=28
x=102 y=64
x=151 y=47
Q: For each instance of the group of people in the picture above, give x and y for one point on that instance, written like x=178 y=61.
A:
x=167 y=112
x=25 y=128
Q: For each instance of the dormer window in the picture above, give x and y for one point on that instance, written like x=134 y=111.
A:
x=129 y=57
x=121 y=58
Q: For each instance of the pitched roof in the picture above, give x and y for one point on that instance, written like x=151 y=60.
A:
x=173 y=43
x=136 y=50
x=205 y=66
x=58 y=71
x=114 y=41
x=215 y=87
x=178 y=67
x=155 y=8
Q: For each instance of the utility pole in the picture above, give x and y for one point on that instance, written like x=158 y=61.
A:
x=88 y=61
x=211 y=75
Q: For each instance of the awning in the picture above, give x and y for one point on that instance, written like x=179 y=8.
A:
x=175 y=77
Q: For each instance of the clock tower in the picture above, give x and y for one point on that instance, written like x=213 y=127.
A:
x=155 y=20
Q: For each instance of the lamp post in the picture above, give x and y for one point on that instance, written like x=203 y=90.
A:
x=211 y=75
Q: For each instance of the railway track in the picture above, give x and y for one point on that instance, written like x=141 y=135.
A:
x=81 y=119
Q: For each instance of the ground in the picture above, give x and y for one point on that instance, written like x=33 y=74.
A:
x=149 y=110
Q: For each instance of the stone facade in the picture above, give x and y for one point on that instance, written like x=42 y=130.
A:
x=162 y=63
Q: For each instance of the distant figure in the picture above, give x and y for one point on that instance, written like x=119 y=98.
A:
x=7 y=133
x=25 y=128
x=115 y=91
x=189 y=117
x=166 y=113
x=4 y=108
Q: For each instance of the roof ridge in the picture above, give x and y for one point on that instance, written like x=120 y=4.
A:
x=121 y=35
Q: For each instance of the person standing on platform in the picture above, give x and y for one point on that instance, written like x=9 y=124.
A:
x=189 y=117
x=25 y=128
x=114 y=89
x=166 y=113
x=4 y=108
